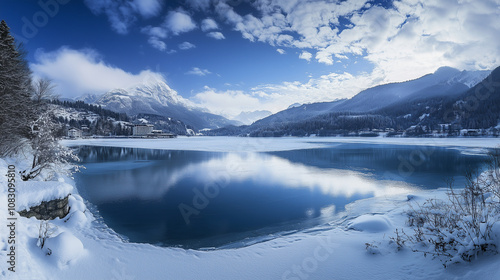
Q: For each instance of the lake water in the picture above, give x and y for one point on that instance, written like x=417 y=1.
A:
x=210 y=199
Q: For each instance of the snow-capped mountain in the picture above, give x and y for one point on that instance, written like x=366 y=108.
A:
x=88 y=98
x=156 y=97
x=445 y=81
x=251 y=117
x=469 y=78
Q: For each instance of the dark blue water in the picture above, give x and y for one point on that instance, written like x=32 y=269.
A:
x=208 y=199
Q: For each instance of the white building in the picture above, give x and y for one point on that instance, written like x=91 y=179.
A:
x=74 y=133
x=142 y=129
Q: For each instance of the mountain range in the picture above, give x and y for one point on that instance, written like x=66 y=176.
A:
x=446 y=81
x=398 y=106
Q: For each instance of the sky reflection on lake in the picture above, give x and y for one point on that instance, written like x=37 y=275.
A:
x=198 y=199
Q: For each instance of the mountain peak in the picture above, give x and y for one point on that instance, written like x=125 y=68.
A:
x=446 y=70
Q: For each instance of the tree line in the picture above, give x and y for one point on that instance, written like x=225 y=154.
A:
x=27 y=123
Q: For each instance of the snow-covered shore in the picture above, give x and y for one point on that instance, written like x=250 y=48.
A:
x=333 y=251
x=249 y=144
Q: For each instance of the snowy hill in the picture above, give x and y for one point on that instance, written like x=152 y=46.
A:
x=301 y=112
x=156 y=97
x=443 y=82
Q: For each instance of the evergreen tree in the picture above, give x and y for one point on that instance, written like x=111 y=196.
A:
x=15 y=94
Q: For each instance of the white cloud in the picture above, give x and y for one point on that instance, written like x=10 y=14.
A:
x=281 y=51
x=158 y=32
x=157 y=44
x=216 y=35
x=277 y=97
x=305 y=55
x=209 y=24
x=77 y=72
x=226 y=103
x=186 y=46
x=323 y=89
x=179 y=22
x=198 y=72
x=147 y=8
x=176 y=22
x=406 y=41
x=123 y=13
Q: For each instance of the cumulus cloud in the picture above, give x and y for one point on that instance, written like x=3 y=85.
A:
x=198 y=72
x=123 y=13
x=405 y=41
x=147 y=8
x=157 y=32
x=281 y=51
x=186 y=46
x=77 y=72
x=209 y=24
x=179 y=22
x=175 y=23
x=305 y=55
x=216 y=35
x=157 y=44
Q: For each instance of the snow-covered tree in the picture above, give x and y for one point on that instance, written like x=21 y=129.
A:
x=47 y=153
x=15 y=94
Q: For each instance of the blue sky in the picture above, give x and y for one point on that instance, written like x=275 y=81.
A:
x=240 y=55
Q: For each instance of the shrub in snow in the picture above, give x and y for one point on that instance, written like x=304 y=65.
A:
x=461 y=228
x=45 y=231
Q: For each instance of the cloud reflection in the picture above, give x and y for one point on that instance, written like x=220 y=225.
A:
x=136 y=180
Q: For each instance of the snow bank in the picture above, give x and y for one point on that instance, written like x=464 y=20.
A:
x=64 y=249
x=31 y=193
x=370 y=223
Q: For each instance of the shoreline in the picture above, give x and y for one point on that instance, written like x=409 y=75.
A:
x=329 y=251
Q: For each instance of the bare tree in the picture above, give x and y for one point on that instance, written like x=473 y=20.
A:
x=43 y=91
x=47 y=153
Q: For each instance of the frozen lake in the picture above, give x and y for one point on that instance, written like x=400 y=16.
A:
x=199 y=199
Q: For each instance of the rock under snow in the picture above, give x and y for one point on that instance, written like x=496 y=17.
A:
x=31 y=193
x=370 y=223
x=64 y=248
